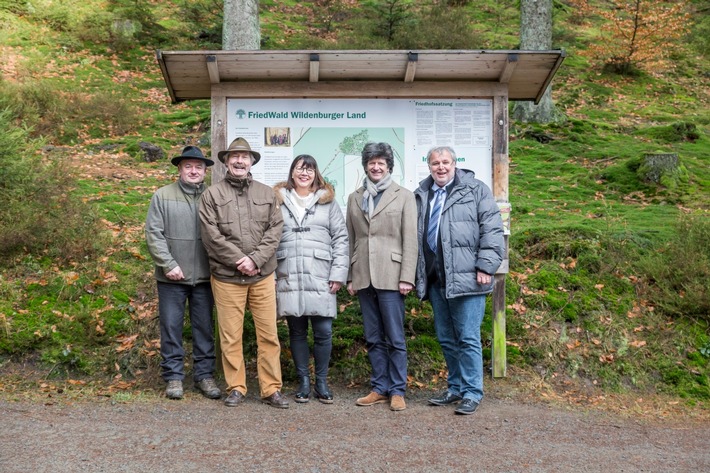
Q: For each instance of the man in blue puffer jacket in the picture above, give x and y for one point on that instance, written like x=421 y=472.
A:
x=461 y=245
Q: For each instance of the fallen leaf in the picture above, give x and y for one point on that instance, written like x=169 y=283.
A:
x=607 y=358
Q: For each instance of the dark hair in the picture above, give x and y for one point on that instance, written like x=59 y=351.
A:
x=309 y=162
x=378 y=150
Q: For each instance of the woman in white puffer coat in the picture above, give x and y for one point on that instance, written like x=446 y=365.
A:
x=312 y=265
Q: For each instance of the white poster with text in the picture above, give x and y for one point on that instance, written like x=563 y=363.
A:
x=334 y=131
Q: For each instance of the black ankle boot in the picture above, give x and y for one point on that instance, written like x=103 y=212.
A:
x=303 y=394
x=322 y=393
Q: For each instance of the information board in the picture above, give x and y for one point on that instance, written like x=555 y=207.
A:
x=334 y=131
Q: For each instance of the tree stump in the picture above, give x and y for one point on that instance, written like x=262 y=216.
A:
x=661 y=168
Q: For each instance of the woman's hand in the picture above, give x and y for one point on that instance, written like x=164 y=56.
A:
x=334 y=286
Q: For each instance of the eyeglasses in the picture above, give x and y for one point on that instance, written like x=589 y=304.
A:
x=309 y=171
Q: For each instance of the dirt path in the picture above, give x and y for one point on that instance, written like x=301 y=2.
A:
x=154 y=434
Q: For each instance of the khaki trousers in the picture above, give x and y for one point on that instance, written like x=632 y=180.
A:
x=231 y=300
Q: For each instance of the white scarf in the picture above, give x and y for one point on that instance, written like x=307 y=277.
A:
x=300 y=204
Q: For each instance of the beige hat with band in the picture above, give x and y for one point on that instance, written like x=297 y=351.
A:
x=240 y=144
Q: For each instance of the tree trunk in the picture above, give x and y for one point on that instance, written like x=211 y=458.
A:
x=536 y=35
x=240 y=29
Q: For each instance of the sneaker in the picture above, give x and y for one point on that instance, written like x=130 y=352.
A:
x=444 y=399
x=174 y=389
x=397 y=403
x=467 y=407
x=208 y=388
x=370 y=399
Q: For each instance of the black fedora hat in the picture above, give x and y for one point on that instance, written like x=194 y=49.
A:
x=191 y=152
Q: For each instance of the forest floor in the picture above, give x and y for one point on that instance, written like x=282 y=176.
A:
x=516 y=429
x=523 y=425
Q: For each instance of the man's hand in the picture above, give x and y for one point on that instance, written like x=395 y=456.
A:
x=247 y=266
x=334 y=286
x=175 y=274
x=351 y=291
x=405 y=288
x=483 y=278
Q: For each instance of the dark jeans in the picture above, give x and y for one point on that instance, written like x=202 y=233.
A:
x=383 y=321
x=171 y=309
x=322 y=343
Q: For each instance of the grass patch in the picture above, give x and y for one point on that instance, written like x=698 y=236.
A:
x=607 y=283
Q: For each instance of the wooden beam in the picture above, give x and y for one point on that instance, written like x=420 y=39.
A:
x=314 y=67
x=411 y=67
x=166 y=76
x=551 y=74
x=509 y=68
x=213 y=68
x=356 y=89
x=499 y=355
x=218 y=136
x=500 y=192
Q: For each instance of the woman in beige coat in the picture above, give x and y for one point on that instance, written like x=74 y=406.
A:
x=382 y=228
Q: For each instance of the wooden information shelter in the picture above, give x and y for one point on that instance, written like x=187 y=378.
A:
x=499 y=76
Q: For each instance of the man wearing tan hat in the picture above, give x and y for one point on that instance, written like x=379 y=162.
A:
x=241 y=229
x=172 y=232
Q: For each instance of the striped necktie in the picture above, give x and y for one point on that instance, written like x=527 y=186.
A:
x=433 y=229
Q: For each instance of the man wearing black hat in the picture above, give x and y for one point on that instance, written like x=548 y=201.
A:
x=172 y=232
x=241 y=228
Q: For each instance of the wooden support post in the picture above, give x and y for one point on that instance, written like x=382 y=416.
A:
x=500 y=192
x=218 y=136
x=218 y=140
x=500 y=360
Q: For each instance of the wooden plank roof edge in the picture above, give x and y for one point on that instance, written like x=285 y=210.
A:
x=326 y=52
x=558 y=54
x=166 y=76
x=552 y=73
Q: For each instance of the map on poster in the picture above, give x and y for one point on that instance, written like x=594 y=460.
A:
x=334 y=131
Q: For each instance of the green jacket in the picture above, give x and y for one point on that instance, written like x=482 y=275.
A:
x=172 y=232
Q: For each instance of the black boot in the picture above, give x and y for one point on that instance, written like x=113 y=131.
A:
x=322 y=393
x=303 y=394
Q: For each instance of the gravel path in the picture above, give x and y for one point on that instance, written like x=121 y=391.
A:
x=199 y=435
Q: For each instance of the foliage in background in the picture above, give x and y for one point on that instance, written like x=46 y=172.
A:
x=596 y=295
x=679 y=272
x=40 y=213
x=635 y=34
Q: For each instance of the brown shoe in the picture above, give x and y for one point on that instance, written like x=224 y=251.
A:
x=234 y=399
x=276 y=400
x=397 y=403
x=370 y=399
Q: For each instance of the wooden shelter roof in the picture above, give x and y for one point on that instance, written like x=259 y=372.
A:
x=191 y=75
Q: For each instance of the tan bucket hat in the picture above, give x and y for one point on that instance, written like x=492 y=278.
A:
x=240 y=144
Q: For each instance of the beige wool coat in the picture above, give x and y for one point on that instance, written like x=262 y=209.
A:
x=383 y=251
